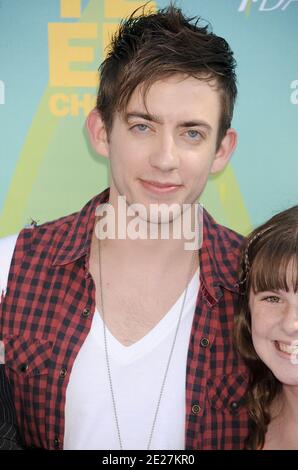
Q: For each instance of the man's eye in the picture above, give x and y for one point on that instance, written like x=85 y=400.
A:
x=193 y=134
x=272 y=298
x=140 y=127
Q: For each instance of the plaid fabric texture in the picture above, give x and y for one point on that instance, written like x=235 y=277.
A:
x=47 y=312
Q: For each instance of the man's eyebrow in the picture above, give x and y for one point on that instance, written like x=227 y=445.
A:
x=196 y=123
x=158 y=120
x=146 y=116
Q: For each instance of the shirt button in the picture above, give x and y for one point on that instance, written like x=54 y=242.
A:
x=56 y=442
x=86 y=313
x=63 y=372
x=234 y=405
x=196 y=409
x=24 y=367
x=204 y=342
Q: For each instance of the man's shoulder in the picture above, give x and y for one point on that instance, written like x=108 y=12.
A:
x=220 y=234
x=15 y=246
x=221 y=252
x=55 y=230
x=39 y=232
x=50 y=226
x=65 y=237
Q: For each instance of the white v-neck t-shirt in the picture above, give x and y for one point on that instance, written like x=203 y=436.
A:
x=137 y=374
x=7 y=246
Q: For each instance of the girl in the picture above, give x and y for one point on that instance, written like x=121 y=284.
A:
x=266 y=332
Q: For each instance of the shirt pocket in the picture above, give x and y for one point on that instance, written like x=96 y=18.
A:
x=27 y=357
x=27 y=364
x=226 y=393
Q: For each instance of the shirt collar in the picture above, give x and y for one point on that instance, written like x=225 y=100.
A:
x=76 y=235
x=219 y=253
x=219 y=258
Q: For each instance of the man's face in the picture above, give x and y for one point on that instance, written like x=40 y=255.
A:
x=164 y=152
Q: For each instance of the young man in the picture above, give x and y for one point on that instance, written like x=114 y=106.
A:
x=125 y=342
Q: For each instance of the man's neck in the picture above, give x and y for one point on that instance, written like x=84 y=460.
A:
x=155 y=240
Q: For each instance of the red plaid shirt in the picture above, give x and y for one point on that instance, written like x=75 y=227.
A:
x=47 y=312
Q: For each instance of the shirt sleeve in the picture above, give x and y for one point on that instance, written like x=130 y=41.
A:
x=7 y=246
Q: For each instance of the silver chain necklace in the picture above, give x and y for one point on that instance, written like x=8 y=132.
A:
x=192 y=264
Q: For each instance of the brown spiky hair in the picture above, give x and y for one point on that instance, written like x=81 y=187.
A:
x=154 y=46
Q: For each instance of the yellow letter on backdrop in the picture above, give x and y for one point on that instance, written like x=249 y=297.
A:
x=62 y=55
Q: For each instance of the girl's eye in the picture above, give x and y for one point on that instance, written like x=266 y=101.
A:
x=272 y=298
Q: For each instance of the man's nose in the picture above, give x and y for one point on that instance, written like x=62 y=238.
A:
x=164 y=155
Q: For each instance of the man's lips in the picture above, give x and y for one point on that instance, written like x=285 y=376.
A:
x=160 y=187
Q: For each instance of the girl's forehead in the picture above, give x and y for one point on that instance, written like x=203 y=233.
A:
x=275 y=273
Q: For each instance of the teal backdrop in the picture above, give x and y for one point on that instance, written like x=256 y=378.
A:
x=49 y=54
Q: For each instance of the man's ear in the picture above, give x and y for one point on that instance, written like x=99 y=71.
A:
x=225 y=151
x=97 y=133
